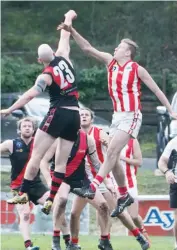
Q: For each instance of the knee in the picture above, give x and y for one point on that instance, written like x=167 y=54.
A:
x=25 y=217
x=75 y=215
x=103 y=208
x=62 y=202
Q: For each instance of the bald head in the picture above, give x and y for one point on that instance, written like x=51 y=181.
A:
x=45 y=53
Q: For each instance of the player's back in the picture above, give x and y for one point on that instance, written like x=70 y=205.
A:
x=63 y=90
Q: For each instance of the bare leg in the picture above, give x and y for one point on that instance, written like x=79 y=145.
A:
x=77 y=207
x=117 y=143
x=24 y=226
x=42 y=142
x=63 y=151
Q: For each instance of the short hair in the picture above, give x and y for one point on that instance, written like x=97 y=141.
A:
x=90 y=111
x=45 y=53
x=26 y=119
x=132 y=46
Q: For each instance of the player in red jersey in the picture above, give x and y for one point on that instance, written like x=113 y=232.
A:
x=131 y=159
x=20 y=150
x=76 y=176
x=101 y=140
x=62 y=120
x=124 y=76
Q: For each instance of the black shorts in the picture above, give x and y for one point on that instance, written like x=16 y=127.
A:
x=61 y=122
x=74 y=183
x=173 y=195
x=37 y=190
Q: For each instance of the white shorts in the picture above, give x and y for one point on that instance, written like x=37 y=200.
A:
x=130 y=122
x=133 y=192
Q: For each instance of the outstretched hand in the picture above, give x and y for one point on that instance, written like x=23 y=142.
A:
x=64 y=26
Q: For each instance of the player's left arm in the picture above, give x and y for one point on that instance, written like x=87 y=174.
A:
x=104 y=138
x=64 y=42
x=92 y=153
x=150 y=83
x=137 y=155
x=40 y=84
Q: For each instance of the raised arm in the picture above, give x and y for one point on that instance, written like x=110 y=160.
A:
x=6 y=147
x=63 y=44
x=150 y=83
x=44 y=164
x=41 y=82
x=86 y=46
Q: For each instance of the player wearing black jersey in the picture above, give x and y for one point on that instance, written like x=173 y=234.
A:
x=62 y=120
x=19 y=151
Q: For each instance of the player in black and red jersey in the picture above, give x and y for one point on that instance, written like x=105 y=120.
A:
x=62 y=120
x=76 y=177
x=19 y=151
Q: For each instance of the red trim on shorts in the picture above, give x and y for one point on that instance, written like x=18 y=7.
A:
x=134 y=123
x=49 y=120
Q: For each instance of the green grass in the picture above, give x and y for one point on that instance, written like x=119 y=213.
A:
x=148 y=183
x=15 y=242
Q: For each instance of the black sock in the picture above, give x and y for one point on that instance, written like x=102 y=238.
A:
x=25 y=187
x=57 y=179
x=66 y=238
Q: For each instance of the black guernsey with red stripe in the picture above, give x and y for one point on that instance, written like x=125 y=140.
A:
x=63 y=90
x=75 y=169
x=19 y=159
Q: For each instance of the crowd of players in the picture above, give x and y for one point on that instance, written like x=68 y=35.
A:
x=75 y=156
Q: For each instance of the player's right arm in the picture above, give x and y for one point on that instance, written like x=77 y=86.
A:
x=6 y=147
x=44 y=164
x=86 y=47
x=41 y=83
x=163 y=163
x=63 y=44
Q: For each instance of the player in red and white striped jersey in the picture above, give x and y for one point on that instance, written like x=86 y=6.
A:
x=124 y=76
x=131 y=159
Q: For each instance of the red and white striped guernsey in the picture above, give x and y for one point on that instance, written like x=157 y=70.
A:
x=124 y=86
x=130 y=170
x=94 y=132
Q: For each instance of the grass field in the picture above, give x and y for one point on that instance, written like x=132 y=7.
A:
x=14 y=242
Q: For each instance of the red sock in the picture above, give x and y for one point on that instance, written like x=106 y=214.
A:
x=135 y=232
x=104 y=237
x=28 y=243
x=109 y=236
x=75 y=240
x=96 y=182
x=56 y=233
x=122 y=190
